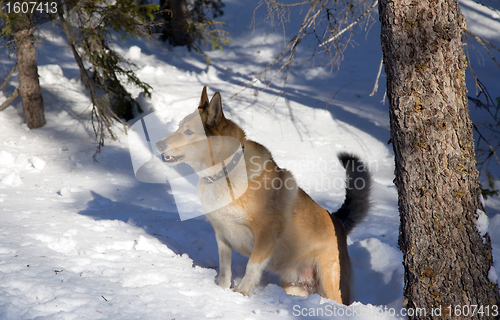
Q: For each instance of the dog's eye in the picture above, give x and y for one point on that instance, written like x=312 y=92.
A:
x=188 y=132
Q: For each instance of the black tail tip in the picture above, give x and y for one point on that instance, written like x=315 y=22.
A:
x=346 y=158
x=358 y=185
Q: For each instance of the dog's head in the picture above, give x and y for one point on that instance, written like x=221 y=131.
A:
x=189 y=142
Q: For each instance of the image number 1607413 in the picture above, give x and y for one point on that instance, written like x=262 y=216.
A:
x=23 y=15
x=33 y=7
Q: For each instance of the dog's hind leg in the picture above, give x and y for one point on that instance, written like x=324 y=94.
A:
x=329 y=275
x=225 y=252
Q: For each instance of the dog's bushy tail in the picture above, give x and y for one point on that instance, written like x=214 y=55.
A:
x=357 y=198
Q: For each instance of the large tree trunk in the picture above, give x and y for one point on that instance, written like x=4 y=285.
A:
x=446 y=259
x=29 y=86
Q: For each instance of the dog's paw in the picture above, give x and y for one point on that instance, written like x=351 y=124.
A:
x=243 y=292
x=225 y=280
x=224 y=284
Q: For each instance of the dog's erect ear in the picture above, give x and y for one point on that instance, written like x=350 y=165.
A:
x=204 y=99
x=210 y=112
x=214 y=111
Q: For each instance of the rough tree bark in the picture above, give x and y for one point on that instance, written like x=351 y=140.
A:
x=446 y=260
x=29 y=86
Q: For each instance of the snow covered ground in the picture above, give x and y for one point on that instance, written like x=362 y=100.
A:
x=86 y=240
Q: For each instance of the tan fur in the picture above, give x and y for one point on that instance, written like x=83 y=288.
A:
x=282 y=230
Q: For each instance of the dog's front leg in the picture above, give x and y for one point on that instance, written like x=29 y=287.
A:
x=225 y=251
x=259 y=258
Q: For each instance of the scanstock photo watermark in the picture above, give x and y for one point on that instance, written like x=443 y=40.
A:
x=370 y=312
x=193 y=160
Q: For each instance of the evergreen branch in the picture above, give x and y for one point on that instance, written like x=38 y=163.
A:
x=96 y=111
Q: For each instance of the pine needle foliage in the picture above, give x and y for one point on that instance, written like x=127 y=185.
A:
x=92 y=27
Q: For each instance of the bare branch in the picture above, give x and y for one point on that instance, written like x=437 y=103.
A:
x=322 y=19
x=469 y=64
x=4 y=83
x=492 y=149
x=291 y=4
x=350 y=25
x=9 y=99
x=383 y=98
x=289 y=50
x=482 y=43
x=375 y=87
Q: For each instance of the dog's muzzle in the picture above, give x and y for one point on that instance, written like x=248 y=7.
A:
x=161 y=146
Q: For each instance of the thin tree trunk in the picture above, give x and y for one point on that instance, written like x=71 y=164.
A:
x=177 y=27
x=446 y=259
x=29 y=86
x=180 y=23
